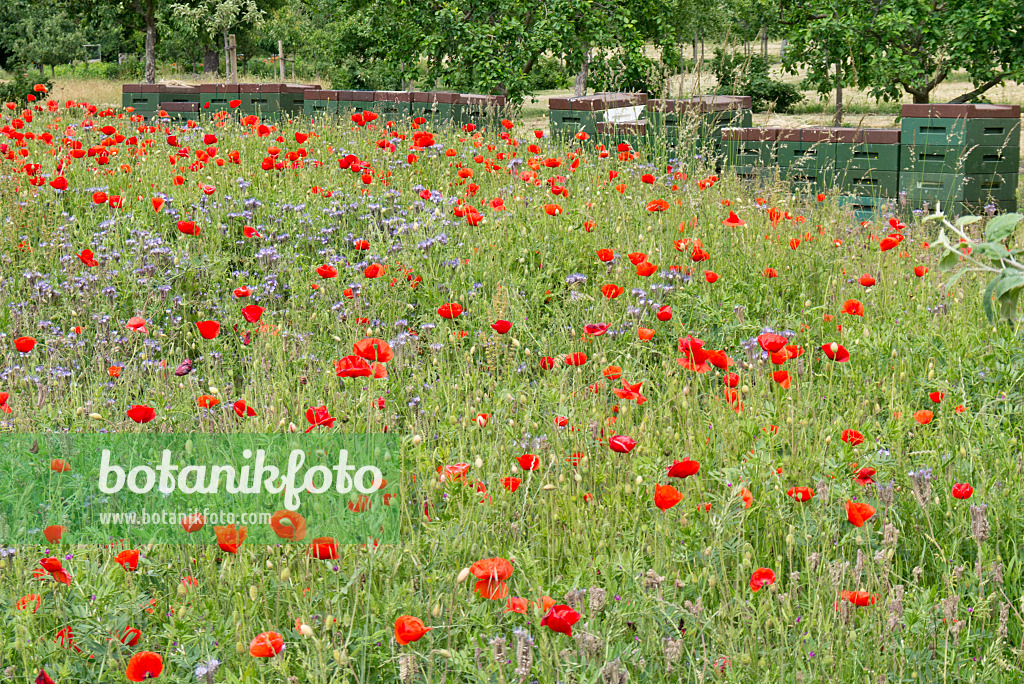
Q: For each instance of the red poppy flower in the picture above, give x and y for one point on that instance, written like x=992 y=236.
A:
x=605 y=255
x=24 y=344
x=770 y=273
x=130 y=636
x=141 y=414
x=188 y=228
x=243 y=410
x=324 y=548
x=853 y=307
x=128 y=559
x=327 y=271
x=575 y=359
x=962 y=490
x=56 y=570
x=646 y=269
x=32 y=601
x=266 y=645
x=516 y=605
x=137 y=324
x=657 y=205
x=53 y=533
x=865 y=475
x=920 y=271
x=511 y=483
x=352 y=367
x=866 y=280
x=318 y=416
x=760 y=578
x=208 y=330
x=373 y=349
x=836 y=352
x=501 y=327
x=229 y=537
x=666 y=496
x=143 y=666
x=450 y=310
x=710 y=276
x=858 y=513
x=771 y=342
x=852 y=437
x=595 y=329
x=409 y=629
x=252 y=313
x=528 y=462
x=552 y=209
x=860 y=599
x=783 y=379
x=611 y=291
x=801 y=493
x=733 y=221
x=491 y=573
x=936 y=397
x=547 y=362
x=194 y=522
x=86 y=257
x=621 y=444
x=923 y=416
x=560 y=619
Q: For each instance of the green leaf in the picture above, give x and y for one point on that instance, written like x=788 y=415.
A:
x=1008 y=303
x=966 y=221
x=949 y=261
x=1007 y=283
x=993 y=250
x=1001 y=227
x=986 y=298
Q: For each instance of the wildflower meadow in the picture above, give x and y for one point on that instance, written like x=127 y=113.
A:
x=651 y=423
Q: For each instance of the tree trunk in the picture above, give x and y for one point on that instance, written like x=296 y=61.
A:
x=580 y=87
x=211 y=61
x=920 y=97
x=682 y=69
x=151 y=43
x=838 y=121
x=764 y=42
x=694 y=47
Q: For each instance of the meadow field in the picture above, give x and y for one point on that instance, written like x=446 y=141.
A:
x=655 y=425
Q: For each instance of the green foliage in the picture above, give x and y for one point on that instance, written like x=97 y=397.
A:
x=912 y=46
x=749 y=75
x=628 y=72
x=548 y=74
x=988 y=255
x=21 y=85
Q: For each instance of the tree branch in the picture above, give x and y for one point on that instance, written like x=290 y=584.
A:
x=967 y=97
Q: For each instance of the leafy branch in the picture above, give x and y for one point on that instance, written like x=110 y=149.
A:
x=990 y=255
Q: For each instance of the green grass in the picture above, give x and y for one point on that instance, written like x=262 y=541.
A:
x=654 y=588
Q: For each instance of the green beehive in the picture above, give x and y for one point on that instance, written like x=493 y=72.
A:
x=181 y=111
x=747 y=149
x=144 y=99
x=436 y=107
x=217 y=97
x=478 y=110
x=960 y=125
x=807 y=150
x=392 y=104
x=574 y=115
x=955 y=160
x=351 y=102
x=868 y=149
x=320 y=103
x=613 y=133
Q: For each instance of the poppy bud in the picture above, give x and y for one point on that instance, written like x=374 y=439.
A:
x=463 y=575
x=306 y=630
x=254 y=593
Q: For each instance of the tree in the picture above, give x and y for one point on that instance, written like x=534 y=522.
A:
x=212 y=20
x=891 y=47
x=45 y=34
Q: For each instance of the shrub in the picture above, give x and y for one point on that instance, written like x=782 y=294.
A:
x=630 y=72
x=748 y=75
x=549 y=74
x=21 y=85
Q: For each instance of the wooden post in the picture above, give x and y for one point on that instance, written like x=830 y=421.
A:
x=233 y=57
x=280 y=57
